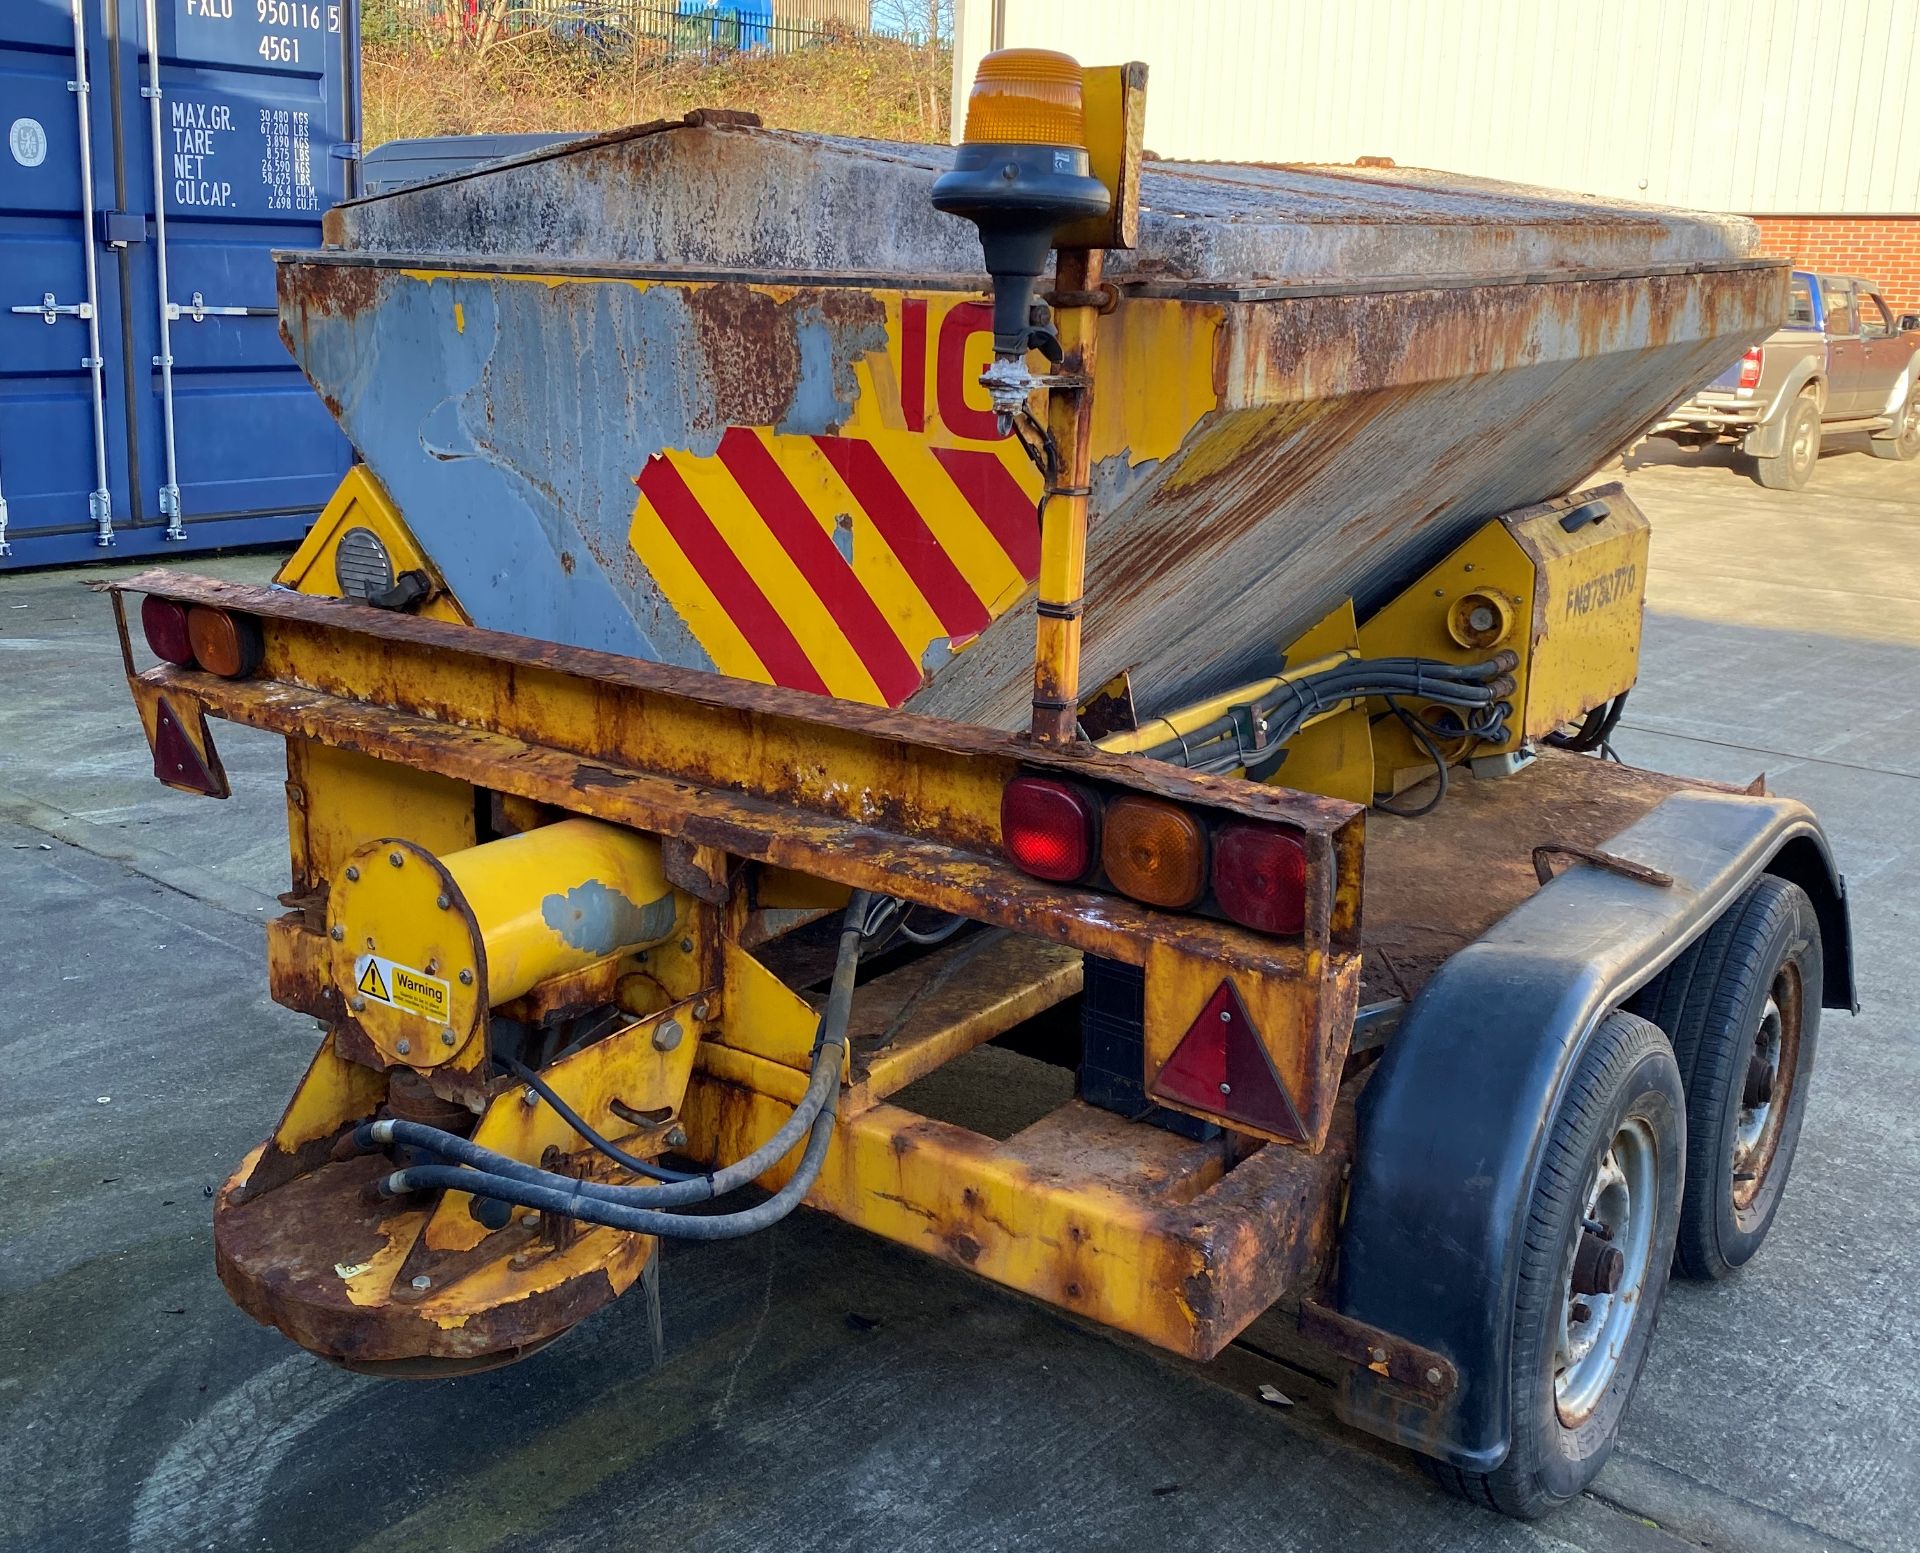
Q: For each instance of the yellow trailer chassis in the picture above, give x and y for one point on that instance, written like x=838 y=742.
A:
x=394 y=724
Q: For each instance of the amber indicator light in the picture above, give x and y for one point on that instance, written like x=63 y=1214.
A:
x=225 y=644
x=1155 y=852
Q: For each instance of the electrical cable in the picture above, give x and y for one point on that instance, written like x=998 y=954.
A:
x=1595 y=730
x=931 y=936
x=567 y=1114
x=1422 y=736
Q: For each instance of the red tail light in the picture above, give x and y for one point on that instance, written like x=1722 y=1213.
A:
x=1750 y=369
x=1260 y=877
x=165 y=625
x=1047 y=828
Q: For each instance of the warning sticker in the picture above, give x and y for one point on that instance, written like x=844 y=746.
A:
x=402 y=987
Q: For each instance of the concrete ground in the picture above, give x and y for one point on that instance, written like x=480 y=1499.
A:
x=821 y=1389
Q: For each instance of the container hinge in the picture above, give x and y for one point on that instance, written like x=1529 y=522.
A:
x=200 y=310
x=100 y=505
x=51 y=309
x=170 y=510
x=5 y=548
x=345 y=151
x=82 y=87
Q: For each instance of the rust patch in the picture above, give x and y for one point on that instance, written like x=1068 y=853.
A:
x=851 y=309
x=751 y=351
x=331 y=290
x=279 y=1252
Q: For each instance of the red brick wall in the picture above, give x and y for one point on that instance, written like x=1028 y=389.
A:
x=1885 y=249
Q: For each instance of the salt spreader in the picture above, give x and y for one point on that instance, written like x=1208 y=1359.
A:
x=809 y=607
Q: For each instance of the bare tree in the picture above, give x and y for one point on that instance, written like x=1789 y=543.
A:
x=930 y=21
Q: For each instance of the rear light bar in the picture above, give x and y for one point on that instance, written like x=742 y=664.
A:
x=217 y=640
x=1157 y=852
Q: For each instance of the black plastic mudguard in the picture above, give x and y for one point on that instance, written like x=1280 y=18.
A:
x=1452 y=1122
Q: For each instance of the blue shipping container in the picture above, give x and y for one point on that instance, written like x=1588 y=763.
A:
x=147 y=405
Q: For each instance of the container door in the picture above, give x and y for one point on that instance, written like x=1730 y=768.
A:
x=63 y=430
x=147 y=405
x=249 y=140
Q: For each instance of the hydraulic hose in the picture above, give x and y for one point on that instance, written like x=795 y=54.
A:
x=1293 y=702
x=506 y=1179
x=595 y=1210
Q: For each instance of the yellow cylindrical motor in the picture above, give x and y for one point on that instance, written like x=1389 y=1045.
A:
x=422 y=946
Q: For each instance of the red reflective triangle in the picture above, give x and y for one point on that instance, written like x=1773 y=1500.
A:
x=178 y=762
x=1221 y=1068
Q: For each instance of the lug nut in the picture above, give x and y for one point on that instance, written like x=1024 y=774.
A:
x=1759 y=1086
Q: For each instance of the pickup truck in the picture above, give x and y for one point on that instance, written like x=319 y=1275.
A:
x=1840 y=362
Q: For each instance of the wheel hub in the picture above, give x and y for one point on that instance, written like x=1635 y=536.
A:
x=1607 y=1271
x=1764 y=1093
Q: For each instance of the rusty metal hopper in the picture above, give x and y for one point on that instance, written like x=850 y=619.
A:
x=704 y=392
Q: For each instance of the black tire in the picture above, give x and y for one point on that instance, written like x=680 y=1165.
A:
x=1713 y=1002
x=1626 y=1083
x=1906 y=444
x=1792 y=467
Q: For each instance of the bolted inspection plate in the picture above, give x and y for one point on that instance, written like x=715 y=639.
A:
x=413 y=970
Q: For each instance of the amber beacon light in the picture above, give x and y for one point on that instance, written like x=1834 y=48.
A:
x=1021 y=175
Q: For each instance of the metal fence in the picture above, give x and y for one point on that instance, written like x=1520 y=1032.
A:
x=657 y=28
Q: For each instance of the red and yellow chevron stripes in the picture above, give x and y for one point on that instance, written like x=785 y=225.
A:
x=833 y=563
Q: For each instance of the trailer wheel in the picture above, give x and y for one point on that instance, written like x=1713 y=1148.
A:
x=1792 y=467
x=1593 y=1264
x=1742 y=1008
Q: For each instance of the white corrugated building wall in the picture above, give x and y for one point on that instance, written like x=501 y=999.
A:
x=1802 y=113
